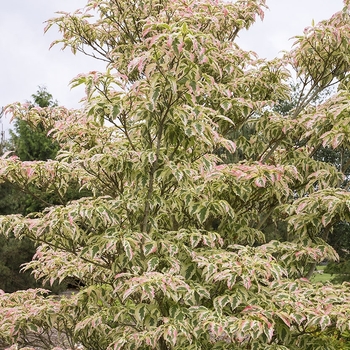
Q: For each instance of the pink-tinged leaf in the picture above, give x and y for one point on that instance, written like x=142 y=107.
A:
x=170 y=335
x=278 y=176
x=247 y=282
x=138 y=62
x=220 y=330
x=128 y=292
x=337 y=140
x=248 y=308
x=231 y=281
x=221 y=167
x=230 y=146
x=239 y=174
x=245 y=326
x=119 y=344
x=153 y=40
x=169 y=42
x=301 y=206
x=260 y=182
x=70 y=219
x=284 y=317
x=269 y=333
x=204 y=60
x=149 y=248
x=180 y=46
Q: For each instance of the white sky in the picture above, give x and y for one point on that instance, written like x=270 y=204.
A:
x=27 y=62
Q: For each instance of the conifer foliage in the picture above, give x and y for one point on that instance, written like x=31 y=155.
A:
x=171 y=245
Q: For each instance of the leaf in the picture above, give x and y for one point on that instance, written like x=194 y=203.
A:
x=149 y=248
x=195 y=239
x=229 y=145
x=199 y=128
x=188 y=270
x=140 y=312
x=155 y=95
x=127 y=248
x=284 y=317
x=152 y=263
x=170 y=334
x=189 y=131
x=184 y=29
x=203 y=214
x=325 y=321
x=260 y=182
x=119 y=344
x=298 y=318
x=221 y=302
x=326 y=219
x=173 y=84
x=152 y=157
x=95 y=250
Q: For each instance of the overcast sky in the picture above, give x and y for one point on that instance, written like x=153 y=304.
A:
x=27 y=62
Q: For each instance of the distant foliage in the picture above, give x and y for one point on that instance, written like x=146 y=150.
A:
x=339 y=157
x=28 y=144
x=187 y=167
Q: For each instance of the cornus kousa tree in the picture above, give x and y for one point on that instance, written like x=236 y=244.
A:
x=208 y=210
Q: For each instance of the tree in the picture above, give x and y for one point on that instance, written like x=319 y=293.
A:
x=170 y=247
x=339 y=157
x=31 y=143
x=28 y=144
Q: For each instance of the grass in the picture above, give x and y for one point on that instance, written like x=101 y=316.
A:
x=321 y=277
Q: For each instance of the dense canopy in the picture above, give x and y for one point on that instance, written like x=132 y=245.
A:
x=208 y=211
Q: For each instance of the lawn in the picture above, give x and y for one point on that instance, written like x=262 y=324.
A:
x=320 y=276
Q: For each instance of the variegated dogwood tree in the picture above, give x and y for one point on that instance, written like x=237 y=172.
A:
x=189 y=167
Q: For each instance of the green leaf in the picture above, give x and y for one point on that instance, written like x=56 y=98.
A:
x=128 y=249
x=188 y=270
x=199 y=128
x=170 y=334
x=152 y=263
x=155 y=95
x=195 y=239
x=149 y=248
x=140 y=312
x=203 y=214
x=189 y=131
x=152 y=157
x=184 y=29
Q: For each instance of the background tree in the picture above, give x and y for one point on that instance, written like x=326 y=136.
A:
x=339 y=158
x=170 y=246
x=28 y=143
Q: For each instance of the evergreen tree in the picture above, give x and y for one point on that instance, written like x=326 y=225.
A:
x=30 y=142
